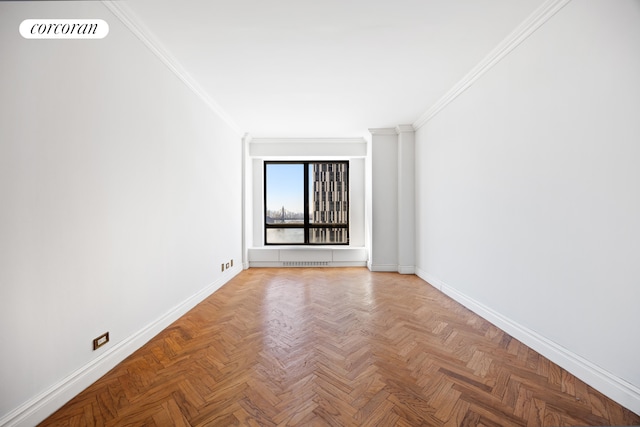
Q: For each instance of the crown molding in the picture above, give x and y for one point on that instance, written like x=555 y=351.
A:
x=404 y=128
x=383 y=131
x=513 y=40
x=133 y=23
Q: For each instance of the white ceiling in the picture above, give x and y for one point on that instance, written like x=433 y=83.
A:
x=327 y=68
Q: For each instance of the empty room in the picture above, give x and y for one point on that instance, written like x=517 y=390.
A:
x=299 y=212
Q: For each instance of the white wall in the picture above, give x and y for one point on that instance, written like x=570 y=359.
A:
x=528 y=189
x=120 y=198
x=384 y=200
x=391 y=200
x=406 y=199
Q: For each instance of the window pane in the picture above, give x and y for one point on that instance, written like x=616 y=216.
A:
x=285 y=235
x=285 y=193
x=315 y=213
x=328 y=193
x=328 y=235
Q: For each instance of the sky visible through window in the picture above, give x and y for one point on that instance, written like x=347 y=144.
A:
x=285 y=187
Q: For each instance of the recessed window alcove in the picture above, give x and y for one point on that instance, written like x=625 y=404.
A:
x=348 y=151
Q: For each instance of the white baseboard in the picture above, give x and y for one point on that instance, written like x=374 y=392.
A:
x=406 y=269
x=44 y=404
x=394 y=268
x=384 y=267
x=623 y=392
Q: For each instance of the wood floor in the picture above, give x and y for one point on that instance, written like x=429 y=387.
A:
x=337 y=347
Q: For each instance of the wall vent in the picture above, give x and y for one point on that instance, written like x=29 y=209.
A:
x=305 y=264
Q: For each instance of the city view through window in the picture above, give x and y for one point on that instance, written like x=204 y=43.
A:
x=306 y=203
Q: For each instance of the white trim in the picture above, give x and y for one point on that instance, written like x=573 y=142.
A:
x=130 y=20
x=404 y=128
x=384 y=268
x=246 y=191
x=527 y=28
x=44 y=404
x=406 y=269
x=602 y=380
x=383 y=131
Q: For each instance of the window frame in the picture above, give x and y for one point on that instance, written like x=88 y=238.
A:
x=307 y=225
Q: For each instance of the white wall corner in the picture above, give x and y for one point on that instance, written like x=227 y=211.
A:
x=384 y=200
x=121 y=11
x=605 y=382
x=513 y=40
x=406 y=199
x=388 y=268
x=406 y=269
x=404 y=128
x=246 y=199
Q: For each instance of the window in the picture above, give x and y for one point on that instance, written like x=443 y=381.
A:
x=306 y=203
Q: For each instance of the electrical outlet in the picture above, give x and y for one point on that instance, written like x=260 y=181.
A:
x=222 y=267
x=231 y=263
x=101 y=340
x=227 y=265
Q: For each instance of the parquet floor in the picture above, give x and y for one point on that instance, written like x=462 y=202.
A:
x=336 y=347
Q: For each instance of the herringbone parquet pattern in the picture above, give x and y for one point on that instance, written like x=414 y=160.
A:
x=337 y=347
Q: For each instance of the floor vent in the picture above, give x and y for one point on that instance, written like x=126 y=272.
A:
x=305 y=264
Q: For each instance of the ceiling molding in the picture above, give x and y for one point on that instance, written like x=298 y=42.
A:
x=247 y=138
x=129 y=19
x=383 y=131
x=404 y=128
x=308 y=141
x=527 y=28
